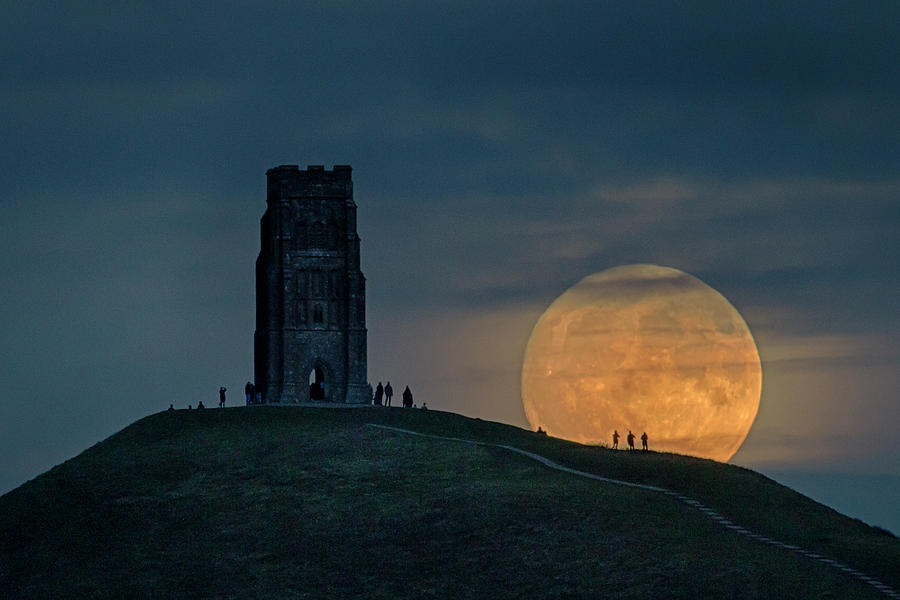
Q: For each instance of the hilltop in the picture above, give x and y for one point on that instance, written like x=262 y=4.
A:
x=268 y=502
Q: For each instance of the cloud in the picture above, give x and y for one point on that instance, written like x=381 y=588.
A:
x=653 y=194
x=822 y=351
x=827 y=412
x=798 y=235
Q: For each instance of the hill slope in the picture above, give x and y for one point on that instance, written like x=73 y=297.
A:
x=310 y=503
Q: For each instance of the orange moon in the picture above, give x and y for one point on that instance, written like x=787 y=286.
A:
x=643 y=348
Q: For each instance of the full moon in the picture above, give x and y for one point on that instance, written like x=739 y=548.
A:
x=647 y=349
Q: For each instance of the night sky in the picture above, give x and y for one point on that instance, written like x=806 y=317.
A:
x=501 y=153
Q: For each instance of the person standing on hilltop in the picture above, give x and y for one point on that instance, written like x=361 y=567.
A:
x=379 y=393
x=407 y=398
x=644 y=440
x=630 y=440
x=388 y=394
x=222 y=397
x=615 y=439
x=248 y=391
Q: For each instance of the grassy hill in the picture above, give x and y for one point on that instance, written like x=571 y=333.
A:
x=269 y=502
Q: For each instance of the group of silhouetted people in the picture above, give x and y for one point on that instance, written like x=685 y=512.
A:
x=384 y=394
x=630 y=438
x=190 y=406
x=252 y=395
x=222 y=391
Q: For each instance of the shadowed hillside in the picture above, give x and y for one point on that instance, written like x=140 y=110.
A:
x=270 y=502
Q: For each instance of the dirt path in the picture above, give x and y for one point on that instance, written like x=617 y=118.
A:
x=886 y=590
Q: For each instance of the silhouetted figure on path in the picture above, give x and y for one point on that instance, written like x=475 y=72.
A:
x=379 y=394
x=630 y=440
x=388 y=393
x=221 y=397
x=189 y=407
x=644 y=440
x=248 y=391
x=424 y=406
x=407 y=398
x=615 y=439
x=540 y=431
x=200 y=405
x=171 y=407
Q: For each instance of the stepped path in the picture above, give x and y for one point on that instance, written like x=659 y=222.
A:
x=886 y=590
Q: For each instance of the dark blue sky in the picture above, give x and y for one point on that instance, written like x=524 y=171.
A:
x=500 y=154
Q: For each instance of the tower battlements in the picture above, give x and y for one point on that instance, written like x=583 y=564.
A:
x=289 y=181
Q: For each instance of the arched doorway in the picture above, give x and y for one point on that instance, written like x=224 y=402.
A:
x=317 y=389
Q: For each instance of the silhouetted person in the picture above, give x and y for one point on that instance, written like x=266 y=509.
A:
x=189 y=407
x=171 y=407
x=221 y=397
x=540 y=431
x=615 y=439
x=248 y=391
x=630 y=440
x=388 y=393
x=644 y=440
x=424 y=406
x=379 y=394
x=200 y=405
x=407 y=398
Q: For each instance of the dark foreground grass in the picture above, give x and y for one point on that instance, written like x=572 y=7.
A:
x=313 y=503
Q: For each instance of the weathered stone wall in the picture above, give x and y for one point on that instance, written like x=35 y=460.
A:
x=310 y=292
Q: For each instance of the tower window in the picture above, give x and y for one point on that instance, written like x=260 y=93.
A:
x=334 y=314
x=300 y=235
x=302 y=283
x=301 y=313
x=335 y=282
x=317 y=235
x=319 y=284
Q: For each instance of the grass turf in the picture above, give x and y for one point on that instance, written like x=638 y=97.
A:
x=270 y=502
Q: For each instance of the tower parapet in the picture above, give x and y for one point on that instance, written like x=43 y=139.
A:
x=314 y=182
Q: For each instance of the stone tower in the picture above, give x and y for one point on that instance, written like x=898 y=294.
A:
x=310 y=341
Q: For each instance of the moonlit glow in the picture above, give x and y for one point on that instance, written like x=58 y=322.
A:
x=644 y=348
